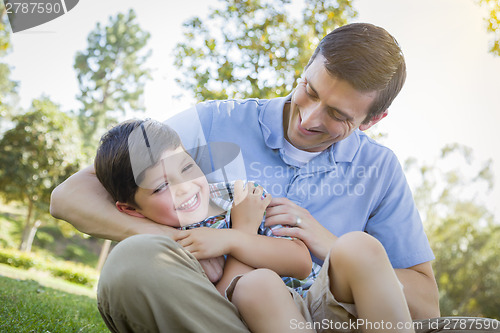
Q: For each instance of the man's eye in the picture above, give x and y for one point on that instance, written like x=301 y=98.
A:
x=161 y=187
x=337 y=116
x=310 y=92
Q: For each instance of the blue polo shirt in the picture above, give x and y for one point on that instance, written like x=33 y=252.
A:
x=354 y=185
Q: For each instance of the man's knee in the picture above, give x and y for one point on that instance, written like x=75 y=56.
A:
x=138 y=261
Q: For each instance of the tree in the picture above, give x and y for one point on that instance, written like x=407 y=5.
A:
x=253 y=48
x=8 y=88
x=111 y=75
x=461 y=230
x=493 y=23
x=38 y=154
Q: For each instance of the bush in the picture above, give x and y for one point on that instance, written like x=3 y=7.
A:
x=74 y=273
x=68 y=271
x=16 y=258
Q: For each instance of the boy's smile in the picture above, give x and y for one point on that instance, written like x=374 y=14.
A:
x=191 y=204
x=175 y=191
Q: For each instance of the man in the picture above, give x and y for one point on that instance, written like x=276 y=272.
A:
x=326 y=177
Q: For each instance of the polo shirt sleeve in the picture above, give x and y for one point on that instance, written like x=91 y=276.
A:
x=396 y=223
x=193 y=125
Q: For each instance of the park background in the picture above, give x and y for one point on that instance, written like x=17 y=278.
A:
x=442 y=126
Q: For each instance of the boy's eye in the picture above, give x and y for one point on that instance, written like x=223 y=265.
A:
x=188 y=167
x=160 y=187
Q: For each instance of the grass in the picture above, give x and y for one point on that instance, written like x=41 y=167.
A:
x=28 y=306
x=33 y=300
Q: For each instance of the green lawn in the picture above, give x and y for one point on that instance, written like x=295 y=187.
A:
x=28 y=306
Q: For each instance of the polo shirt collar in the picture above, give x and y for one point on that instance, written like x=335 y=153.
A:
x=271 y=122
x=345 y=150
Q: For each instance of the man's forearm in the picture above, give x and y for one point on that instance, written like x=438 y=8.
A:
x=420 y=290
x=82 y=201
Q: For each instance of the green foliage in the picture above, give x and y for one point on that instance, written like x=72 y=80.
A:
x=29 y=307
x=9 y=226
x=4 y=30
x=253 y=48
x=461 y=230
x=8 y=88
x=74 y=273
x=493 y=23
x=69 y=271
x=111 y=75
x=38 y=154
x=16 y=258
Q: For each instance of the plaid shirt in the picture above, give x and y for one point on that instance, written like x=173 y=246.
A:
x=221 y=194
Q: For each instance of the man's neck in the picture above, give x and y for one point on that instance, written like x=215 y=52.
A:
x=286 y=119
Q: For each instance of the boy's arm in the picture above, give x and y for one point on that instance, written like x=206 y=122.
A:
x=284 y=256
x=82 y=201
x=232 y=268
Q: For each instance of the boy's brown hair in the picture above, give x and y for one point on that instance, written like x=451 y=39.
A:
x=126 y=151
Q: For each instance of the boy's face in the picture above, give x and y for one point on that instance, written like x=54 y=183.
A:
x=174 y=192
x=325 y=109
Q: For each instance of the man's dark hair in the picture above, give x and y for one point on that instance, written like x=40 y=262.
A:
x=127 y=150
x=367 y=57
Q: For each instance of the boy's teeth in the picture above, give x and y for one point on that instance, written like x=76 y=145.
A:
x=188 y=204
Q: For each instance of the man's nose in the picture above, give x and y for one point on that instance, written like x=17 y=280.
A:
x=311 y=116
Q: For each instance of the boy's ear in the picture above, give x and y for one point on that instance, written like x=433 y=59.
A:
x=374 y=120
x=127 y=209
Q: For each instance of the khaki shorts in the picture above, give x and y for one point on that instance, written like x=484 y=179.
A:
x=319 y=307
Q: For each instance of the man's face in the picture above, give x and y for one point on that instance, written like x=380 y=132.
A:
x=325 y=109
x=175 y=191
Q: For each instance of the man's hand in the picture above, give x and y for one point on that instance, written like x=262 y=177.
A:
x=302 y=225
x=248 y=207
x=213 y=267
x=204 y=242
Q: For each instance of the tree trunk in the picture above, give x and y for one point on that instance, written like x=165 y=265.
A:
x=31 y=235
x=27 y=227
x=104 y=254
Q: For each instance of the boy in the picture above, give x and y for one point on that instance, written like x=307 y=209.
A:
x=144 y=167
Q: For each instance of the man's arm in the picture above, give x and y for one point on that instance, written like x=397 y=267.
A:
x=421 y=291
x=82 y=201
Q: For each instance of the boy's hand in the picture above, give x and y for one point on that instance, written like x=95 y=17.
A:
x=248 y=206
x=204 y=242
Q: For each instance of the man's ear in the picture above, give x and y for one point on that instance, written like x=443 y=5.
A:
x=127 y=209
x=374 y=120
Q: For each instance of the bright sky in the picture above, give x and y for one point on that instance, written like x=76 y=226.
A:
x=452 y=93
